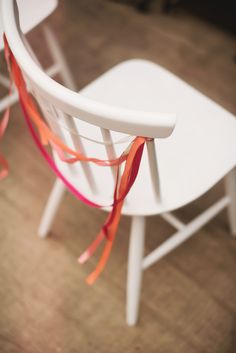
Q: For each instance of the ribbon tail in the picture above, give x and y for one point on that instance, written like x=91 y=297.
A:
x=107 y=250
x=92 y=248
x=5 y=169
x=4 y=122
x=102 y=263
x=110 y=227
x=3 y=126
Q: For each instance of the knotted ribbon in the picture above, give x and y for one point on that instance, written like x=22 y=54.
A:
x=131 y=157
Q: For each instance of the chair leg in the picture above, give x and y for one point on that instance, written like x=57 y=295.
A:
x=58 y=57
x=51 y=208
x=134 y=277
x=230 y=185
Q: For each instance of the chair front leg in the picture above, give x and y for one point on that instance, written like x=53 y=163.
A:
x=134 y=276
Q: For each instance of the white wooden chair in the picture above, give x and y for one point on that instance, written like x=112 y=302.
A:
x=32 y=13
x=135 y=98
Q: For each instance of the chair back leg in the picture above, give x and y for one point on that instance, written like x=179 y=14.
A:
x=51 y=208
x=230 y=186
x=134 y=276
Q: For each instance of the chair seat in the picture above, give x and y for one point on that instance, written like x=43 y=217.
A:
x=200 y=151
x=32 y=12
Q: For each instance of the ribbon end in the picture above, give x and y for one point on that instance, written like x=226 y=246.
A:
x=84 y=257
x=91 y=279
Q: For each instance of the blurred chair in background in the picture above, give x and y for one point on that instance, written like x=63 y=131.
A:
x=32 y=13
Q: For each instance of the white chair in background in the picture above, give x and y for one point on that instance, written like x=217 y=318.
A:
x=182 y=164
x=32 y=13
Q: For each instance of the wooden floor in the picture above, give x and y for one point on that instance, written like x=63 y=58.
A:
x=188 y=302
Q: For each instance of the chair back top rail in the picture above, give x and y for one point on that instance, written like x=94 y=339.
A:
x=133 y=122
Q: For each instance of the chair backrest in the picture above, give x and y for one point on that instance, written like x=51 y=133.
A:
x=62 y=106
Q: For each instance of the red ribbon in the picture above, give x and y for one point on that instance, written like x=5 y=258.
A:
x=131 y=158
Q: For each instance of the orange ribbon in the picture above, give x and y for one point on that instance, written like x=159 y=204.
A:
x=131 y=157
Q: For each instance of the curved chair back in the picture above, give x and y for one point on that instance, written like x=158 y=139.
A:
x=63 y=108
x=134 y=122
